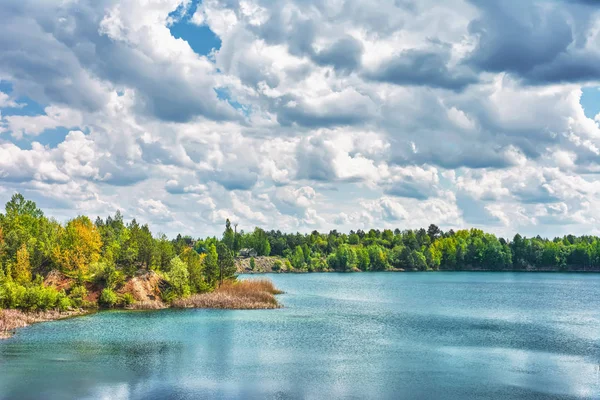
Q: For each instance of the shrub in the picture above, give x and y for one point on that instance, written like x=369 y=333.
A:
x=31 y=298
x=108 y=298
x=78 y=295
x=41 y=298
x=252 y=263
x=11 y=294
x=64 y=303
x=127 y=299
x=107 y=275
x=277 y=266
x=168 y=295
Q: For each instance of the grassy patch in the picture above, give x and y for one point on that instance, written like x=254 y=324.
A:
x=240 y=295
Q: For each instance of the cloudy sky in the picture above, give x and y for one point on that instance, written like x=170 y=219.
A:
x=305 y=114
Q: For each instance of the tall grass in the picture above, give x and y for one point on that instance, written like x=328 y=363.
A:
x=146 y=305
x=240 y=295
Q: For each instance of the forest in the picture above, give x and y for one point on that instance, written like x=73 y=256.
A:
x=106 y=252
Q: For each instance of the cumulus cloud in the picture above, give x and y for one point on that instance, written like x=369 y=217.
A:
x=309 y=115
x=422 y=67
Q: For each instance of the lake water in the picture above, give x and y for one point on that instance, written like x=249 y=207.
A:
x=440 y=335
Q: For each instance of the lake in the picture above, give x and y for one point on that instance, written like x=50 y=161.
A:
x=444 y=335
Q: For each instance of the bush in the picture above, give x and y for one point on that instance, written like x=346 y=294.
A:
x=64 y=303
x=31 y=298
x=11 y=294
x=78 y=295
x=127 y=299
x=41 y=298
x=107 y=275
x=168 y=295
x=277 y=266
x=108 y=298
x=252 y=264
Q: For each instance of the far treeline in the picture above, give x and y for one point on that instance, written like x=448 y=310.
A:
x=428 y=249
x=105 y=253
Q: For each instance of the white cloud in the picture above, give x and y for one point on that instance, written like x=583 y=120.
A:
x=347 y=115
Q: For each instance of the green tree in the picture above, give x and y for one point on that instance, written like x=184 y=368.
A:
x=362 y=259
x=297 y=259
x=179 y=277
x=211 y=265
x=228 y=236
x=194 y=262
x=226 y=263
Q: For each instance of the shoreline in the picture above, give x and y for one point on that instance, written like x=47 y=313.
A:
x=538 y=270
x=241 y=295
x=12 y=319
x=413 y=271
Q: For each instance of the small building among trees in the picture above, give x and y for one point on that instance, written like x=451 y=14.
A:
x=248 y=253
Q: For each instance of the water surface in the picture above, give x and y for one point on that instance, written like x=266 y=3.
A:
x=462 y=335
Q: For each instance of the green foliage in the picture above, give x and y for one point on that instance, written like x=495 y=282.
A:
x=259 y=241
x=344 y=258
x=228 y=236
x=193 y=261
x=179 y=277
x=297 y=259
x=107 y=275
x=31 y=298
x=211 y=266
x=277 y=265
x=11 y=294
x=127 y=299
x=78 y=295
x=252 y=263
x=169 y=295
x=108 y=298
x=225 y=262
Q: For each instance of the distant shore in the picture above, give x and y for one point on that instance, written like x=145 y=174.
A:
x=276 y=265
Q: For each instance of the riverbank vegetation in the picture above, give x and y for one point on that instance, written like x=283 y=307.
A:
x=47 y=265
x=50 y=269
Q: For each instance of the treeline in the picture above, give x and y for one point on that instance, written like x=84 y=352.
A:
x=432 y=249
x=106 y=252
x=103 y=254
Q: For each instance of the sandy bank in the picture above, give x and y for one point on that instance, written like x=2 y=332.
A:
x=10 y=320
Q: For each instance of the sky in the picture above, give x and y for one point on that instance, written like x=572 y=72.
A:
x=305 y=114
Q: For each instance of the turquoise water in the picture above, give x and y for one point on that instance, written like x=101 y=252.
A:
x=375 y=335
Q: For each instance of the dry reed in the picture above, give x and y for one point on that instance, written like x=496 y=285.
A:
x=240 y=295
x=146 y=305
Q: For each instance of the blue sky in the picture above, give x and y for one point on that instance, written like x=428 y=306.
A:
x=300 y=115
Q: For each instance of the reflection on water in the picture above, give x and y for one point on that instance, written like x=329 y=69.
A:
x=377 y=335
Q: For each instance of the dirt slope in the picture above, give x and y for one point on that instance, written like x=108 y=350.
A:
x=261 y=264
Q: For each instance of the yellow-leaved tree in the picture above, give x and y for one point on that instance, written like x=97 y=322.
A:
x=22 y=269
x=79 y=246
